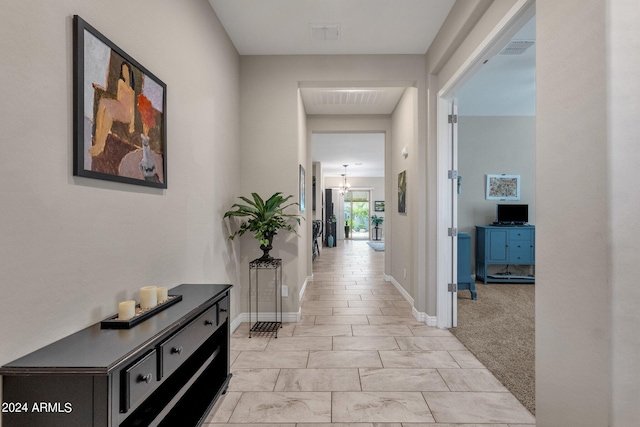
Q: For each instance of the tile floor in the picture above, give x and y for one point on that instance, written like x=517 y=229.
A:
x=358 y=358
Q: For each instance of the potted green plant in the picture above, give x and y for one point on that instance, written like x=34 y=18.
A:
x=266 y=218
x=376 y=221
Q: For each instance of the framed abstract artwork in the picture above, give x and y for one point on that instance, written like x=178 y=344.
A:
x=302 y=188
x=402 y=192
x=120 y=113
x=503 y=187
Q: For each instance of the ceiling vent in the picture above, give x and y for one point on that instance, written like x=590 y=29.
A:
x=348 y=97
x=517 y=47
x=325 y=32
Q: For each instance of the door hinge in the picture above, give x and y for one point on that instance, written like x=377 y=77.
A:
x=452 y=232
x=452 y=174
x=453 y=118
x=453 y=287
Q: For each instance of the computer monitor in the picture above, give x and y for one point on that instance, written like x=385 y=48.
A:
x=512 y=214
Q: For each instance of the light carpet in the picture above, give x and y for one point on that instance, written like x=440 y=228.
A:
x=499 y=329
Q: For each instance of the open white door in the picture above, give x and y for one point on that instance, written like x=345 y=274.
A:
x=452 y=175
x=447 y=247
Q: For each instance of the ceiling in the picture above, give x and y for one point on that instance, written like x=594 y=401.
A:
x=286 y=27
x=505 y=85
x=362 y=152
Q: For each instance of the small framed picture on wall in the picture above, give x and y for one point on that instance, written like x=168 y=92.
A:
x=503 y=187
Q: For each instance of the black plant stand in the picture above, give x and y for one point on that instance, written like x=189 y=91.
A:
x=269 y=327
x=376 y=228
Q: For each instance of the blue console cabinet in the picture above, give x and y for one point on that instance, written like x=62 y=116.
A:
x=465 y=281
x=505 y=245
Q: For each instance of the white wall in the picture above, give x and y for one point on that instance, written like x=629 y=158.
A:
x=72 y=247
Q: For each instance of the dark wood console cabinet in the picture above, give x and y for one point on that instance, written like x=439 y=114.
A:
x=166 y=371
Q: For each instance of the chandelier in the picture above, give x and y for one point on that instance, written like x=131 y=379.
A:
x=345 y=185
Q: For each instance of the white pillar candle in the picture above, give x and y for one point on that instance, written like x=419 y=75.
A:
x=163 y=293
x=126 y=310
x=148 y=297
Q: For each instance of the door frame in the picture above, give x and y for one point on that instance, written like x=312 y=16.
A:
x=369 y=202
x=446 y=258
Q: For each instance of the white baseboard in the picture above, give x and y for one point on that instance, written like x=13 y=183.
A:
x=423 y=317
x=418 y=315
x=294 y=317
x=304 y=287
x=400 y=289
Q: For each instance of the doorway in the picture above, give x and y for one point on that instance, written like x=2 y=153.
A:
x=476 y=90
x=356 y=214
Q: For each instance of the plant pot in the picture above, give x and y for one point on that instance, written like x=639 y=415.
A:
x=265 y=249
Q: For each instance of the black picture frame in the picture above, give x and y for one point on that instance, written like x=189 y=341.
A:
x=120 y=113
x=378 y=206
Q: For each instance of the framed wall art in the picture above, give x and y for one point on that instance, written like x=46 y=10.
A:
x=378 y=206
x=120 y=113
x=402 y=192
x=302 y=188
x=503 y=187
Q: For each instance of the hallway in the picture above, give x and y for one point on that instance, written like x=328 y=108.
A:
x=359 y=358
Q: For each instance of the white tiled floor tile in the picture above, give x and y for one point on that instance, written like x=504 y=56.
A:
x=323 y=331
x=282 y=407
x=318 y=380
x=379 y=407
x=358 y=358
x=388 y=379
x=264 y=360
x=471 y=380
x=365 y=343
x=471 y=407
x=417 y=359
x=297 y=343
x=253 y=379
x=344 y=359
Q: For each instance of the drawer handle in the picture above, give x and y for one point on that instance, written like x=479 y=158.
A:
x=176 y=350
x=208 y=322
x=223 y=310
x=144 y=378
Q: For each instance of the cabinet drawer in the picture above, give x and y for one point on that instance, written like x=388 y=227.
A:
x=178 y=348
x=520 y=234
x=223 y=310
x=519 y=245
x=138 y=380
x=520 y=256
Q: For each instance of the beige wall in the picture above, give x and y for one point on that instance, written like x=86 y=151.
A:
x=71 y=247
x=493 y=145
x=270 y=126
x=587 y=295
x=358 y=123
x=403 y=226
x=573 y=288
x=624 y=158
